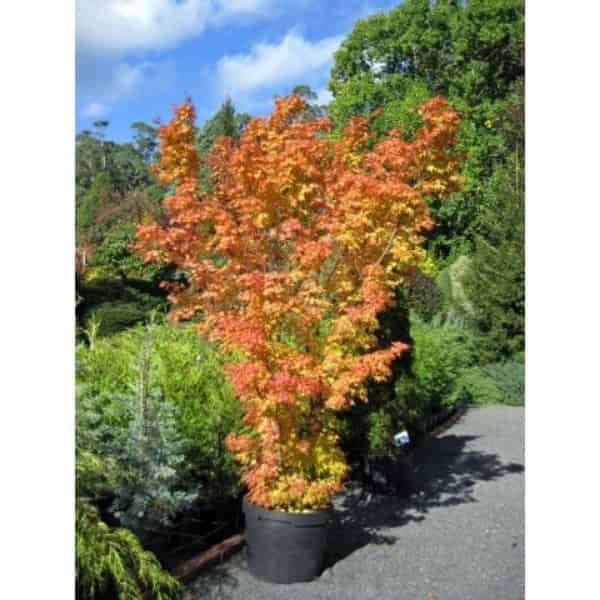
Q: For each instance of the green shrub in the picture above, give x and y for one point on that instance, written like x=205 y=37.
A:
x=114 y=256
x=427 y=383
x=410 y=404
x=96 y=473
x=380 y=431
x=474 y=387
x=153 y=405
x=519 y=357
x=496 y=282
x=425 y=297
x=118 y=304
x=111 y=563
x=150 y=453
x=456 y=305
x=136 y=462
x=496 y=383
x=190 y=374
x=510 y=379
x=115 y=317
x=440 y=355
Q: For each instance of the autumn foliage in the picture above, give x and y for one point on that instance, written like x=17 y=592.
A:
x=289 y=259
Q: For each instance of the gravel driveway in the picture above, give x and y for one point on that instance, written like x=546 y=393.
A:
x=461 y=538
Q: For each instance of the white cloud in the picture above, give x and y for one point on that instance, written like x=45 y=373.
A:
x=226 y=9
x=266 y=64
x=126 y=78
x=121 y=26
x=324 y=96
x=124 y=81
x=95 y=110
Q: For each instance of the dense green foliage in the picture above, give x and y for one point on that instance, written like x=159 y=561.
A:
x=155 y=398
x=425 y=297
x=226 y=121
x=111 y=563
x=125 y=164
x=114 y=191
x=118 y=304
x=456 y=306
x=495 y=283
x=510 y=379
x=445 y=370
x=495 y=383
x=475 y=387
x=153 y=410
x=472 y=53
x=440 y=355
x=467 y=320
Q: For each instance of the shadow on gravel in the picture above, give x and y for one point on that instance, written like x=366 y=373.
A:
x=216 y=583
x=446 y=475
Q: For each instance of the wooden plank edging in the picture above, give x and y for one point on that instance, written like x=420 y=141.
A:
x=188 y=569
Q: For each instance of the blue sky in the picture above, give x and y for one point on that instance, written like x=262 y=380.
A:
x=135 y=58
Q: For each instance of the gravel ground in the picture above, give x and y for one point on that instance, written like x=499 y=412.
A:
x=460 y=538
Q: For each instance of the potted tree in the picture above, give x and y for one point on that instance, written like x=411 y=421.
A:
x=387 y=467
x=289 y=258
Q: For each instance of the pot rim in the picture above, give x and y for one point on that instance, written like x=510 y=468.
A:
x=315 y=517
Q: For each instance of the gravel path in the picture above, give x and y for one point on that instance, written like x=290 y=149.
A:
x=461 y=538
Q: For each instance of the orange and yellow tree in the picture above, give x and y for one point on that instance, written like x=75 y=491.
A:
x=289 y=259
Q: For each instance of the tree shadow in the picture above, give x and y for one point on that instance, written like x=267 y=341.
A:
x=446 y=474
x=218 y=582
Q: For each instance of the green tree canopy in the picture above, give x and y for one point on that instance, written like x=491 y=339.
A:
x=225 y=122
x=470 y=52
x=495 y=282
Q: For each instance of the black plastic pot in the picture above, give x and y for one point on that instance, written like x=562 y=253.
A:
x=391 y=474
x=285 y=547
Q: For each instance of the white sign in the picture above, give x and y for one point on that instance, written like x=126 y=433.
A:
x=401 y=439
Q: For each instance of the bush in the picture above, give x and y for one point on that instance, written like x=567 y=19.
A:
x=118 y=304
x=440 y=355
x=496 y=383
x=510 y=379
x=425 y=297
x=427 y=382
x=457 y=307
x=410 y=404
x=129 y=449
x=380 y=431
x=111 y=563
x=190 y=374
x=496 y=282
x=115 y=317
x=150 y=453
x=113 y=256
x=474 y=387
x=153 y=407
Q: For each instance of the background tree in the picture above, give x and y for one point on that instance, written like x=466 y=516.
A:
x=313 y=109
x=225 y=122
x=470 y=52
x=115 y=190
x=145 y=140
x=100 y=186
x=495 y=282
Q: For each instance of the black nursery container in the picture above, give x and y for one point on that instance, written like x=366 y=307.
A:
x=391 y=474
x=285 y=547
